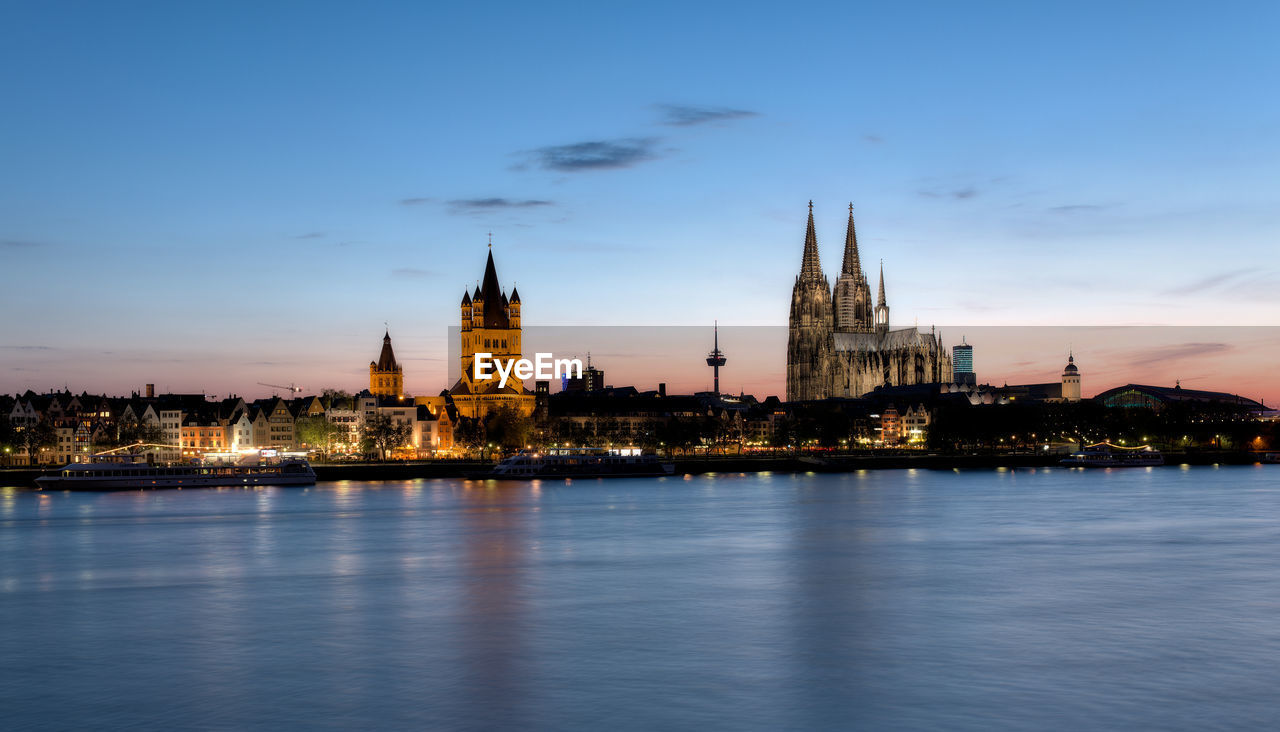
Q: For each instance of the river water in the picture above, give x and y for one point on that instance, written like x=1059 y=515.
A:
x=902 y=599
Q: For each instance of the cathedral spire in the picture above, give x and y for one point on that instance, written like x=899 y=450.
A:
x=880 y=301
x=811 y=267
x=852 y=264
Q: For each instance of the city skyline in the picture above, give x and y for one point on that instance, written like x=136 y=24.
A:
x=214 y=198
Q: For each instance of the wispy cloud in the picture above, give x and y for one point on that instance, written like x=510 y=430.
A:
x=959 y=194
x=415 y=201
x=412 y=273
x=684 y=115
x=19 y=244
x=1163 y=355
x=873 y=139
x=311 y=235
x=594 y=155
x=467 y=205
x=28 y=348
x=1208 y=282
x=1081 y=208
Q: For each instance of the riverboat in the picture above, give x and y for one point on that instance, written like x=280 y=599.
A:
x=1107 y=455
x=131 y=472
x=580 y=462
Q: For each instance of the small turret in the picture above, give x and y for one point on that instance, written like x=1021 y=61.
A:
x=466 y=310
x=1071 y=380
x=513 y=307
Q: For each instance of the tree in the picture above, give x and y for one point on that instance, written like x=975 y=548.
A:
x=9 y=440
x=34 y=437
x=317 y=432
x=335 y=394
x=382 y=435
x=469 y=433
x=509 y=428
x=131 y=433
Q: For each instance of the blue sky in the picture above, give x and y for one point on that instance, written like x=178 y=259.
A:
x=207 y=195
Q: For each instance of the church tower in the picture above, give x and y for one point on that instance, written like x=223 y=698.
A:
x=809 y=335
x=1071 y=380
x=490 y=323
x=853 y=294
x=882 y=307
x=386 y=377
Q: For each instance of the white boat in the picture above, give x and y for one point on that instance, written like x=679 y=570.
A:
x=577 y=462
x=130 y=472
x=1107 y=455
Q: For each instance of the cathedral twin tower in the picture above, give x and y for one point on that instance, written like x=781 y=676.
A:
x=839 y=344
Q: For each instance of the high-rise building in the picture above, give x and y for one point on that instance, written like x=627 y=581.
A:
x=962 y=363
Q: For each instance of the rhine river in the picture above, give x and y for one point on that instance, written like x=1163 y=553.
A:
x=896 y=599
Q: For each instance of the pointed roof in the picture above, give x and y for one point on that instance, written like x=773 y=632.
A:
x=466 y=298
x=476 y=296
x=852 y=264
x=880 y=300
x=495 y=306
x=387 y=359
x=810 y=266
x=515 y=294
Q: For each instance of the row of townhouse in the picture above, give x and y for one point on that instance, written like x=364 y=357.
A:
x=72 y=427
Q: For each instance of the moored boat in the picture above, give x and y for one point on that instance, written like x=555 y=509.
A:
x=1107 y=455
x=582 y=462
x=128 y=472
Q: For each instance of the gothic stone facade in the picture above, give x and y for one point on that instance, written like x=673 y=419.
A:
x=839 y=345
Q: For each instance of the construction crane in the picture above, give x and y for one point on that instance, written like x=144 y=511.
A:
x=291 y=388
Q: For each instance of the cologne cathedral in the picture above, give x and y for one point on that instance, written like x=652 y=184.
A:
x=839 y=344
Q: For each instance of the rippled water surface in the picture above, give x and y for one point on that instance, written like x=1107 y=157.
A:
x=892 y=599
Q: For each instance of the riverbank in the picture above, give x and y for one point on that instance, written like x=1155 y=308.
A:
x=703 y=464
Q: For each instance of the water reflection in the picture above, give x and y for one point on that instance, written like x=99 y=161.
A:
x=495 y=533
x=874 y=600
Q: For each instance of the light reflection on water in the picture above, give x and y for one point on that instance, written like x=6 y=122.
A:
x=879 y=599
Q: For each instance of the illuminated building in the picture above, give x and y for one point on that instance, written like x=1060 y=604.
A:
x=386 y=377
x=490 y=324
x=962 y=364
x=839 y=345
x=1071 y=380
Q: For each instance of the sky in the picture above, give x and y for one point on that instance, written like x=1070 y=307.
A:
x=206 y=196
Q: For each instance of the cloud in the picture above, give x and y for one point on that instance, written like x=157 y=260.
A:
x=464 y=205
x=959 y=194
x=412 y=273
x=1081 y=208
x=682 y=115
x=415 y=201
x=594 y=155
x=1206 y=283
x=310 y=235
x=28 y=348
x=1161 y=355
x=873 y=139
x=19 y=244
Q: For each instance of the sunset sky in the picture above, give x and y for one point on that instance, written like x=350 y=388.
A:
x=210 y=195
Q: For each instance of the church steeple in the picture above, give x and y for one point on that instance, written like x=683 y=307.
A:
x=852 y=265
x=880 y=301
x=811 y=266
x=882 y=306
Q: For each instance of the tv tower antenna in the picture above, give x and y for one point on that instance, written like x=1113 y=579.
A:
x=716 y=358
